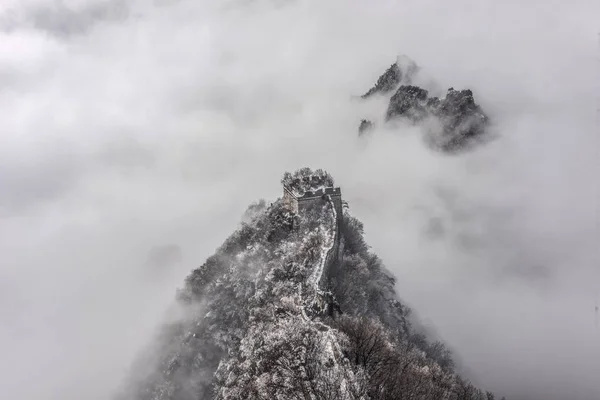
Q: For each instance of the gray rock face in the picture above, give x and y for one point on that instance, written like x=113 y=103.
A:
x=408 y=101
x=462 y=118
x=386 y=82
x=365 y=126
x=400 y=72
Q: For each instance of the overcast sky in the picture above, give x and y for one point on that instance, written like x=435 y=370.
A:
x=128 y=125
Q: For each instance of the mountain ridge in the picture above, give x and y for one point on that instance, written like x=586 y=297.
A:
x=295 y=306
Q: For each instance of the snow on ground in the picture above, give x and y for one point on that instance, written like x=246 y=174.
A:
x=315 y=277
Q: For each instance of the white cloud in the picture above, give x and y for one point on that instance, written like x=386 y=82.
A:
x=160 y=126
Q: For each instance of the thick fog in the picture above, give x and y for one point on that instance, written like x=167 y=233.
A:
x=134 y=135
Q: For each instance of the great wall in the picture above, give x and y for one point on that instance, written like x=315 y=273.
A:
x=296 y=204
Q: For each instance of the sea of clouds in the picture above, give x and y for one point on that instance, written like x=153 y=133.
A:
x=128 y=126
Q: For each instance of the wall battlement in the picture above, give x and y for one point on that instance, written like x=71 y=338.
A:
x=295 y=202
x=332 y=191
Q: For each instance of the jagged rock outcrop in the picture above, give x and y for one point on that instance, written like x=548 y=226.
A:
x=400 y=72
x=462 y=118
x=408 y=101
x=386 y=82
x=459 y=119
x=294 y=307
x=365 y=126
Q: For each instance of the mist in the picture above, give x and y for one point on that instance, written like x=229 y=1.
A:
x=131 y=126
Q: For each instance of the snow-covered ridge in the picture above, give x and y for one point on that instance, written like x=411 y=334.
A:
x=270 y=325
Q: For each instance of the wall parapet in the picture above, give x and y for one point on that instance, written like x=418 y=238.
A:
x=293 y=200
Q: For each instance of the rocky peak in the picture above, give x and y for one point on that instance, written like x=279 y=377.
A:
x=399 y=72
x=460 y=117
x=408 y=101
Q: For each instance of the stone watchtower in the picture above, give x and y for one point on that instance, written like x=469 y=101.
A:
x=295 y=202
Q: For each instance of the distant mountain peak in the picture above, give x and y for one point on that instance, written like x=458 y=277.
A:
x=460 y=120
x=401 y=72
